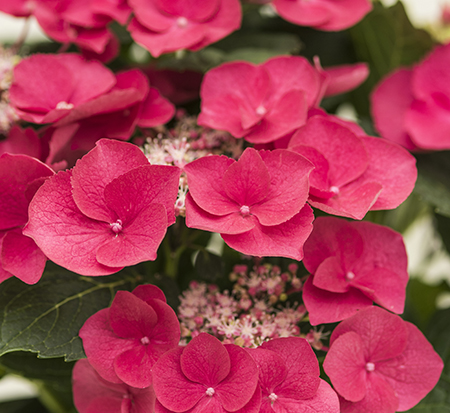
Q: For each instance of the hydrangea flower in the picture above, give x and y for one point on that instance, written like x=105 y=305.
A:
x=20 y=177
x=332 y=15
x=206 y=375
x=289 y=378
x=260 y=102
x=84 y=101
x=163 y=26
x=381 y=176
x=353 y=264
x=68 y=21
x=411 y=106
x=124 y=342
x=93 y=394
x=379 y=363
x=111 y=210
x=257 y=203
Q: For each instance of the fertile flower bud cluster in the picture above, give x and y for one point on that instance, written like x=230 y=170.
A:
x=256 y=309
x=184 y=143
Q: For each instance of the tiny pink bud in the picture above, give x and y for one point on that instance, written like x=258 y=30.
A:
x=145 y=340
x=210 y=391
x=245 y=210
x=261 y=110
x=334 y=189
x=370 y=366
x=116 y=226
x=273 y=397
x=182 y=22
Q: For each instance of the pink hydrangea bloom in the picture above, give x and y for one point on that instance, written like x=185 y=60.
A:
x=289 y=378
x=332 y=15
x=257 y=203
x=379 y=363
x=84 y=101
x=18 y=8
x=111 y=210
x=164 y=26
x=206 y=376
x=74 y=21
x=411 y=106
x=23 y=141
x=343 y=78
x=60 y=83
x=115 y=114
x=20 y=177
x=260 y=102
x=93 y=394
x=381 y=176
x=353 y=264
x=124 y=342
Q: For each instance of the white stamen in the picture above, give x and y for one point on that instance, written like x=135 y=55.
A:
x=64 y=105
x=273 y=397
x=116 y=226
x=370 y=366
x=334 y=189
x=350 y=275
x=210 y=391
x=261 y=110
x=145 y=340
x=245 y=210
x=182 y=22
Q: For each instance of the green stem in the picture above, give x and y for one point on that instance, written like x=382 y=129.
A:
x=50 y=400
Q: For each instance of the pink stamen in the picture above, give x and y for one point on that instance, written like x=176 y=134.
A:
x=116 y=226
x=370 y=366
x=245 y=210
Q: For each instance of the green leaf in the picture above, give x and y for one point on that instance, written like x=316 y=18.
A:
x=252 y=47
x=45 y=318
x=433 y=182
x=438 y=400
x=26 y=364
x=420 y=303
x=52 y=376
x=386 y=40
x=279 y=43
x=443 y=227
x=23 y=406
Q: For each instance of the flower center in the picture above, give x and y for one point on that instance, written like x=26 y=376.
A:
x=64 y=105
x=334 y=189
x=261 y=110
x=273 y=397
x=145 y=340
x=210 y=391
x=182 y=22
x=370 y=366
x=350 y=276
x=245 y=210
x=116 y=226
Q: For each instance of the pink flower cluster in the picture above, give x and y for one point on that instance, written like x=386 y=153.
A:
x=83 y=101
x=379 y=363
x=352 y=265
x=376 y=362
x=110 y=211
x=164 y=26
x=134 y=363
x=411 y=106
